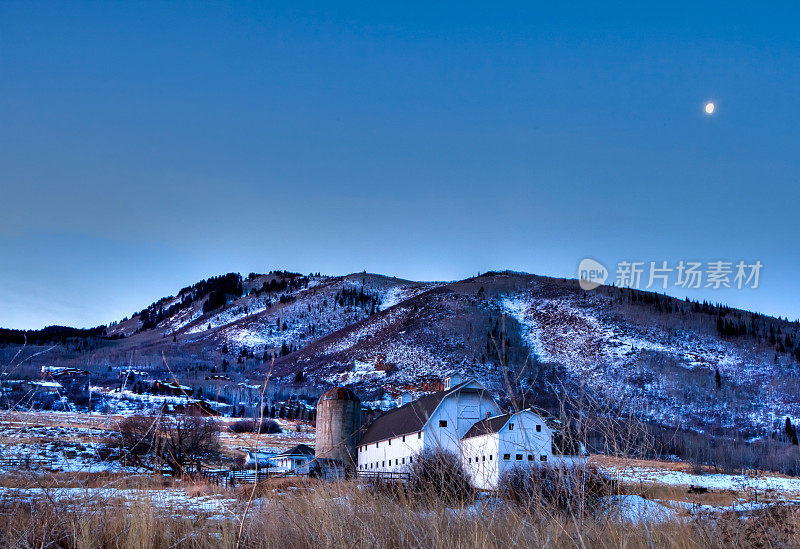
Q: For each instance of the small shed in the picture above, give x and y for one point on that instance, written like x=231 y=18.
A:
x=296 y=460
x=44 y=386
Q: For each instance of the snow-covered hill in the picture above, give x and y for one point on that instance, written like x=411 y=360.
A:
x=663 y=372
x=651 y=355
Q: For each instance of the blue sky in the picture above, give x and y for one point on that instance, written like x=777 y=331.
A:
x=144 y=146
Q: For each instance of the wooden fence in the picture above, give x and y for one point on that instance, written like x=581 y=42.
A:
x=394 y=476
x=224 y=477
x=25 y=463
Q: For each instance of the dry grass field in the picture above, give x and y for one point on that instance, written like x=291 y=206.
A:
x=345 y=514
x=86 y=502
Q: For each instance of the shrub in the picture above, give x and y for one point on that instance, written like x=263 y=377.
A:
x=268 y=426
x=440 y=474
x=575 y=489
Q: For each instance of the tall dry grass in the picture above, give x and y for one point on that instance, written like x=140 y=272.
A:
x=347 y=514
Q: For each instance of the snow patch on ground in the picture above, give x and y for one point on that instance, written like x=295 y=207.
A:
x=634 y=509
x=169 y=499
x=761 y=483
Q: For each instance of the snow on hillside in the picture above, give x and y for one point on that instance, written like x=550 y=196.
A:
x=581 y=337
x=183 y=318
x=399 y=294
x=296 y=318
x=365 y=332
x=662 y=375
x=232 y=314
x=361 y=372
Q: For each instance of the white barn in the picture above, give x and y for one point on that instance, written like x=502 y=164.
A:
x=438 y=420
x=465 y=420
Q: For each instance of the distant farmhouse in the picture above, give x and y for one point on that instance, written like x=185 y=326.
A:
x=296 y=460
x=58 y=371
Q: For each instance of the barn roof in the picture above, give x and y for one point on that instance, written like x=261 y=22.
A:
x=299 y=450
x=409 y=418
x=488 y=426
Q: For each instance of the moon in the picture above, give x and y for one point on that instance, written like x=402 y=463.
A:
x=710 y=107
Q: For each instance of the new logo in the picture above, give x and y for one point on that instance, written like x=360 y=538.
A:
x=591 y=274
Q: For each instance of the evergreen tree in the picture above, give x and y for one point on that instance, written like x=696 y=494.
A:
x=791 y=432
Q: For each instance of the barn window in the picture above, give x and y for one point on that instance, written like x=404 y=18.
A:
x=484 y=458
x=490 y=457
x=411 y=460
x=510 y=426
x=519 y=457
x=538 y=428
x=396 y=461
x=383 y=463
x=404 y=438
x=543 y=458
x=442 y=423
x=390 y=442
x=376 y=444
x=404 y=461
x=419 y=435
x=530 y=457
x=506 y=456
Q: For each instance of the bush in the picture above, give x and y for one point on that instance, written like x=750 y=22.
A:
x=440 y=474
x=268 y=426
x=575 y=489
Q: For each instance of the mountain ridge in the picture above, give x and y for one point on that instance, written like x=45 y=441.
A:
x=679 y=363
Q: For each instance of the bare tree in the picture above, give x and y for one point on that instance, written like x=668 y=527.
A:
x=177 y=441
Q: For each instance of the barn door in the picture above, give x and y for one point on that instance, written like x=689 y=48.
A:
x=469 y=408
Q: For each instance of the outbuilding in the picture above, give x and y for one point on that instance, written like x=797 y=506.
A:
x=499 y=443
x=295 y=460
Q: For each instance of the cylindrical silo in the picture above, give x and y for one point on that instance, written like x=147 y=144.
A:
x=338 y=426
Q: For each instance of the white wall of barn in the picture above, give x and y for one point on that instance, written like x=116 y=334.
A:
x=524 y=441
x=394 y=454
x=459 y=411
x=480 y=457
